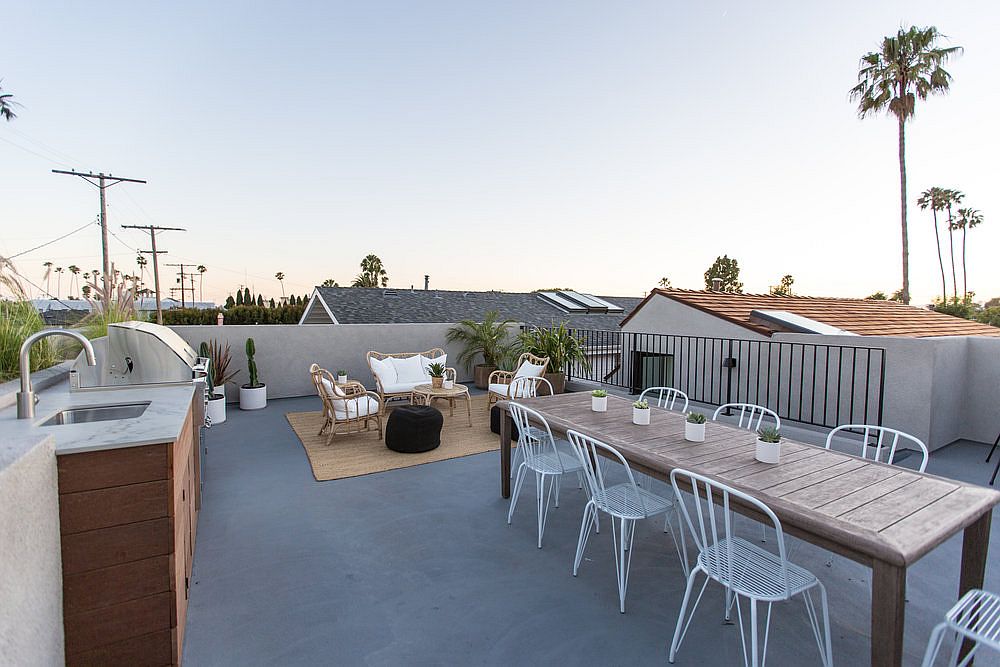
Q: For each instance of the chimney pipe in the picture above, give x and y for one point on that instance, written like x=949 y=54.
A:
x=427 y=282
x=716 y=284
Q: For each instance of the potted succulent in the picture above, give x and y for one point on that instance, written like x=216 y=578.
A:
x=487 y=340
x=221 y=357
x=599 y=400
x=768 y=445
x=253 y=395
x=564 y=349
x=436 y=371
x=694 y=427
x=640 y=413
x=216 y=408
x=342 y=376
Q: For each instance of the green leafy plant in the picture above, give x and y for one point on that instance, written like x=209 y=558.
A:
x=436 y=370
x=251 y=350
x=341 y=371
x=641 y=405
x=695 y=418
x=599 y=393
x=203 y=351
x=489 y=338
x=221 y=357
x=559 y=344
x=769 y=434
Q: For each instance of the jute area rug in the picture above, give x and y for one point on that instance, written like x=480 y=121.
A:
x=354 y=454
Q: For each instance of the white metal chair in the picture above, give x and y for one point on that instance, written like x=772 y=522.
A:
x=525 y=387
x=541 y=456
x=875 y=451
x=975 y=617
x=666 y=397
x=627 y=501
x=751 y=416
x=745 y=569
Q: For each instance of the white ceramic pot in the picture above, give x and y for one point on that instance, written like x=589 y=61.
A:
x=253 y=398
x=640 y=416
x=216 y=409
x=694 y=432
x=220 y=391
x=768 y=452
x=599 y=403
x=342 y=379
x=449 y=384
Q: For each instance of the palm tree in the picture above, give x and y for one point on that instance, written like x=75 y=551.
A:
x=48 y=278
x=488 y=338
x=281 y=281
x=372 y=274
x=59 y=271
x=967 y=219
x=934 y=198
x=952 y=197
x=906 y=67
x=7 y=105
x=201 y=282
x=75 y=271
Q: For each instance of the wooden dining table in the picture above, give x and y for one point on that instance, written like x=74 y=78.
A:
x=883 y=516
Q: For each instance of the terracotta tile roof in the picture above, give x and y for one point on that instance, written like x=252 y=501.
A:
x=859 y=316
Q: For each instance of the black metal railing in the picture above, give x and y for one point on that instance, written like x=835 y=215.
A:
x=813 y=383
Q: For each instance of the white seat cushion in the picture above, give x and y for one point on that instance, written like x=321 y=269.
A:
x=401 y=387
x=384 y=370
x=410 y=369
x=528 y=369
x=500 y=389
x=353 y=407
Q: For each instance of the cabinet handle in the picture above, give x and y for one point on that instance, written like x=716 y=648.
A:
x=182 y=494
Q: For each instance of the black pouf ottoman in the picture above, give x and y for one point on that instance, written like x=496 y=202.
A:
x=495 y=423
x=413 y=428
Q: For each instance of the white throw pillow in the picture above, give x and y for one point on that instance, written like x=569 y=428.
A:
x=410 y=369
x=443 y=360
x=331 y=389
x=384 y=369
x=529 y=370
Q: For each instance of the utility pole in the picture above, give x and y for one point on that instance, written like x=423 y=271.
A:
x=102 y=182
x=183 y=288
x=152 y=229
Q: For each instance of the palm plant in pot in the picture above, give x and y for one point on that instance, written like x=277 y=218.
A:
x=436 y=371
x=253 y=395
x=768 y=445
x=487 y=340
x=694 y=427
x=564 y=349
x=599 y=400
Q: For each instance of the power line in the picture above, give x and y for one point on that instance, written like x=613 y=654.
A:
x=38 y=247
x=152 y=229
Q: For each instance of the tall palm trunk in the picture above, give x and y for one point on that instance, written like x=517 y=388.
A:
x=937 y=239
x=951 y=247
x=965 y=275
x=902 y=207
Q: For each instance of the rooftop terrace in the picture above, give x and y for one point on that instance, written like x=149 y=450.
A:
x=418 y=566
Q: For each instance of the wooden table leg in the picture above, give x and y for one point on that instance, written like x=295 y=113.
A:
x=504 y=454
x=468 y=407
x=888 y=614
x=975 y=546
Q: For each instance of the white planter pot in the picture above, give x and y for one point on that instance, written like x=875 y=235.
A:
x=216 y=410
x=253 y=398
x=694 y=432
x=768 y=452
x=640 y=416
x=599 y=403
x=449 y=384
x=342 y=379
x=220 y=391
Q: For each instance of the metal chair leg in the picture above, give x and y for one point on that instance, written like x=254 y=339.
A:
x=993 y=448
x=993 y=479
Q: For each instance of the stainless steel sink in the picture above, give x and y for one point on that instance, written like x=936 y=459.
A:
x=97 y=413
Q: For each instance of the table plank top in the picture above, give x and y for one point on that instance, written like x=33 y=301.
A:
x=873 y=509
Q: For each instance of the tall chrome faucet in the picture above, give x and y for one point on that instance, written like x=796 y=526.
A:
x=26 y=397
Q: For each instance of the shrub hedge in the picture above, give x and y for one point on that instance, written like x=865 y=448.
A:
x=236 y=315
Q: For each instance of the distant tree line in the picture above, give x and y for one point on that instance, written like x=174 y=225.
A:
x=286 y=314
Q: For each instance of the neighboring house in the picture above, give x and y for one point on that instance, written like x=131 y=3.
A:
x=369 y=305
x=722 y=314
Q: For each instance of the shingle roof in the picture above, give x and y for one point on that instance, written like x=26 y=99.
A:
x=359 y=305
x=860 y=316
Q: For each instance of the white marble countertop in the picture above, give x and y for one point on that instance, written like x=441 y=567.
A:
x=161 y=421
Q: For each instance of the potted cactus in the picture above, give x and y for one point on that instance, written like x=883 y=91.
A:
x=640 y=413
x=342 y=376
x=768 y=445
x=216 y=408
x=599 y=400
x=694 y=427
x=436 y=371
x=253 y=395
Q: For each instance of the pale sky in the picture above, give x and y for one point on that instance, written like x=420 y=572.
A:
x=514 y=146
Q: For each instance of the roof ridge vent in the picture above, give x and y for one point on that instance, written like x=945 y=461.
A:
x=390 y=292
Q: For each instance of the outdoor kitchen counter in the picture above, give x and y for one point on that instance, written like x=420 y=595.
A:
x=161 y=422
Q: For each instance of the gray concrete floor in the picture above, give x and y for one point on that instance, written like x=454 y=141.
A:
x=418 y=567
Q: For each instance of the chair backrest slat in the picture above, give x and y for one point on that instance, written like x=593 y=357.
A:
x=666 y=397
x=880 y=450
x=526 y=386
x=534 y=434
x=590 y=452
x=749 y=411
